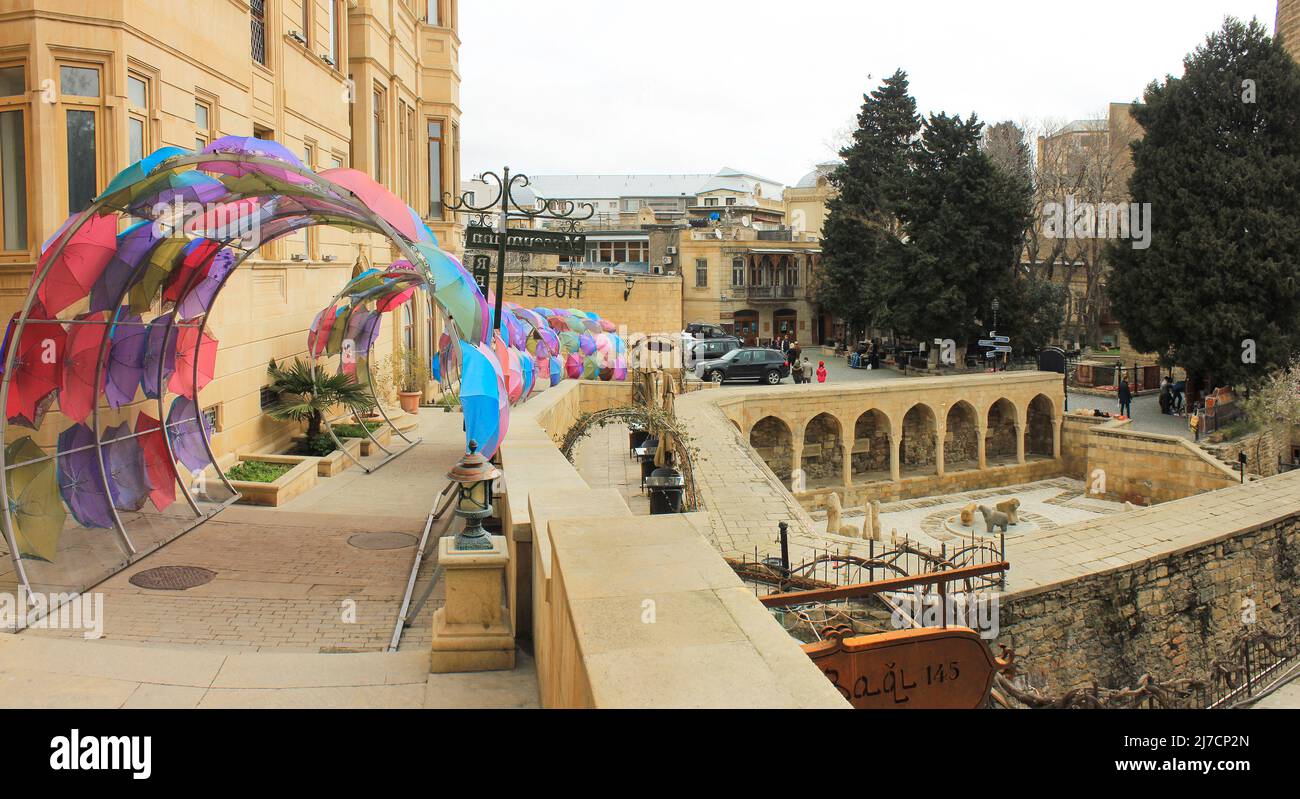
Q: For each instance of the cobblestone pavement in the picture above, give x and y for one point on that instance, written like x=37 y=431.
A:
x=288 y=579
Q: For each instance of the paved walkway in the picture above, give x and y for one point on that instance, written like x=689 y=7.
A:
x=603 y=461
x=1147 y=417
x=53 y=673
x=298 y=614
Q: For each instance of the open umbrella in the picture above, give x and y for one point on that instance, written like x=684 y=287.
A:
x=514 y=375
x=82 y=261
x=159 y=466
x=79 y=394
x=590 y=368
x=133 y=246
x=196 y=258
x=147 y=281
x=128 y=340
x=182 y=380
x=573 y=365
x=80 y=481
x=557 y=370
x=128 y=184
x=38 y=368
x=160 y=345
x=198 y=300
x=188 y=433
x=481 y=395
x=124 y=464
x=34 y=503
x=393 y=301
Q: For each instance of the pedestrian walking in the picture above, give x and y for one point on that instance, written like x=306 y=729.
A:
x=807 y=370
x=1125 y=399
x=821 y=371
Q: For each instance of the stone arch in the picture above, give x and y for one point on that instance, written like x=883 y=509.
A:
x=1039 y=427
x=871 y=446
x=771 y=439
x=823 y=452
x=961 y=439
x=917 y=451
x=1000 y=438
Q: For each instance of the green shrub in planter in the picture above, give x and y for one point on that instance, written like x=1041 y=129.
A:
x=258 y=471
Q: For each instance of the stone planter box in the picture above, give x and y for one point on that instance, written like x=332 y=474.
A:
x=289 y=485
x=337 y=461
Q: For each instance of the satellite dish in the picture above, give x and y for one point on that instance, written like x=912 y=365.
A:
x=746 y=220
x=717 y=233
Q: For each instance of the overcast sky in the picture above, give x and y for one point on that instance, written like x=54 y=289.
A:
x=767 y=86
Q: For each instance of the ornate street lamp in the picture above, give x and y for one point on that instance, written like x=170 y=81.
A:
x=474 y=474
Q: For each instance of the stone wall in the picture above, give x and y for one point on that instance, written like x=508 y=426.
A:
x=771 y=439
x=871 y=444
x=928 y=485
x=917 y=449
x=1000 y=439
x=1147 y=468
x=622 y=610
x=961 y=442
x=1174 y=611
x=823 y=454
x=1262 y=448
x=653 y=306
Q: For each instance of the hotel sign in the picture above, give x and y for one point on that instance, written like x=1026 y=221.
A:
x=537 y=242
x=924 y=668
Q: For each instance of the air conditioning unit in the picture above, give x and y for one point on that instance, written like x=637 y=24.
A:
x=656 y=270
x=671 y=250
x=298 y=37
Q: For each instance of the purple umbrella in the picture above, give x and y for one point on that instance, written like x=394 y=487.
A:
x=198 y=299
x=80 y=483
x=124 y=461
x=187 y=435
x=160 y=344
x=126 y=360
x=370 y=333
x=133 y=247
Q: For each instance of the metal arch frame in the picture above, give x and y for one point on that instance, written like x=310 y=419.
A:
x=365 y=218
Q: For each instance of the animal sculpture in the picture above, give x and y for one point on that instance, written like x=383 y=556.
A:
x=1011 y=507
x=968 y=514
x=993 y=519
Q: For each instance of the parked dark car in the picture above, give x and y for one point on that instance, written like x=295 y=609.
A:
x=706 y=330
x=749 y=363
x=710 y=349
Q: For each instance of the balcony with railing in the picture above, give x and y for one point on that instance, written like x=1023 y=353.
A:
x=765 y=293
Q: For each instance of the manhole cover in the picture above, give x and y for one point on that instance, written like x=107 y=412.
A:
x=382 y=540
x=172 y=578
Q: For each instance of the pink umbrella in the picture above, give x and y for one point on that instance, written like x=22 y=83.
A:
x=79 y=265
x=394 y=300
x=573 y=365
x=514 y=376
x=377 y=198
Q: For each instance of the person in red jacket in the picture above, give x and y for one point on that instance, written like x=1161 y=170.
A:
x=821 y=371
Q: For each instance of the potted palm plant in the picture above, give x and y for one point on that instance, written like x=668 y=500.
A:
x=306 y=397
x=411 y=374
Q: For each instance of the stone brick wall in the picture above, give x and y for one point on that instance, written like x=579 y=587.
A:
x=918 y=445
x=1288 y=25
x=1000 y=440
x=1262 y=450
x=771 y=439
x=653 y=306
x=1148 y=468
x=1169 y=616
x=961 y=442
x=871 y=444
x=823 y=454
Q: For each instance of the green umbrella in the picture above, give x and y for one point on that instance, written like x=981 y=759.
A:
x=162 y=260
x=34 y=503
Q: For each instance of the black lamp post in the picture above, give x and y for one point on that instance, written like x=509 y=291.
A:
x=474 y=474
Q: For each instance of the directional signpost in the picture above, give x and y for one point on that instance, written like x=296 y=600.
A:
x=998 y=345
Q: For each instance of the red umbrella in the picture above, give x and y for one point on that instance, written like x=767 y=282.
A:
x=79 y=265
x=182 y=381
x=38 y=368
x=197 y=259
x=393 y=300
x=158 y=462
x=79 y=393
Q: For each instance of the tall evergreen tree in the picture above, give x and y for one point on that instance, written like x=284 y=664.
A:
x=1220 y=166
x=964 y=219
x=861 y=246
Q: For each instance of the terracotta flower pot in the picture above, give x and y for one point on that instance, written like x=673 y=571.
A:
x=410 y=400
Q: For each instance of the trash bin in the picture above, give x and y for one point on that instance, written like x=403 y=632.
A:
x=636 y=437
x=667 y=490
